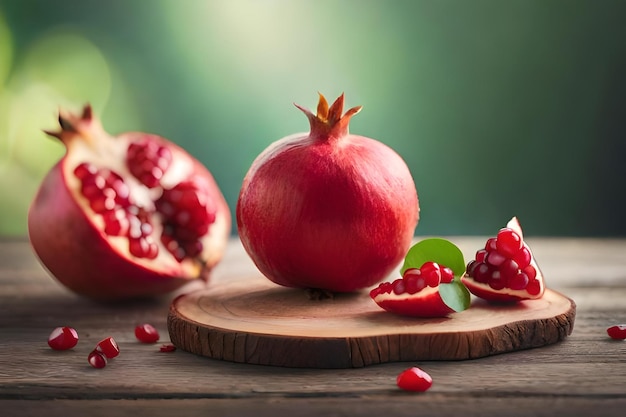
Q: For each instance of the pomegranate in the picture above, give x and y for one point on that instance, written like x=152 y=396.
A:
x=505 y=270
x=63 y=338
x=416 y=294
x=108 y=347
x=126 y=216
x=146 y=333
x=617 y=332
x=97 y=359
x=414 y=379
x=327 y=210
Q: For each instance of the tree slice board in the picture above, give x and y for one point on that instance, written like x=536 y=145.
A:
x=257 y=322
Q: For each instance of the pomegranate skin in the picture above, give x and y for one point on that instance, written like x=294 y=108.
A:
x=327 y=210
x=72 y=246
x=59 y=232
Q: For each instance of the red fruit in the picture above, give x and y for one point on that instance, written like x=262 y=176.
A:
x=416 y=294
x=101 y=215
x=414 y=379
x=146 y=333
x=97 y=359
x=63 y=338
x=108 y=347
x=327 y=210
x=617 y=332
x=507 y=272
x=167 y=348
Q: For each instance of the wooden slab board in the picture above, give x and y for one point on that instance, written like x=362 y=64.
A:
x=257 y=322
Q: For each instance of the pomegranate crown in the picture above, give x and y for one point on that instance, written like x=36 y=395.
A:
x=329 y=122
x=84 y=125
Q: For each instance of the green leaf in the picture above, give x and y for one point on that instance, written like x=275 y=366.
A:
x=437 y=250
x=455 y=295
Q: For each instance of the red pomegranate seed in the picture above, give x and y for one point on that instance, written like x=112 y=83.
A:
x=508 y=269
x=491 y=244
x=143 y=248
x=108 y=347
x=530 y=271
x=617 y=332
x=519 y=281
x=167 y=348
x=414 y=379
x=480 y=255
x=146 y=333
x=482 y=273
x=398 y=286
x=85 y=170
x=116 y=223
x=496 y=281
x=508 y=243
x=148 y=161
x=523 y=257
x=92 y=186
x=97 y=359
x=63 y=338
x=495 y=258
x=447 y=276
x=533 y=287
x=431 y=271
x=414 y=282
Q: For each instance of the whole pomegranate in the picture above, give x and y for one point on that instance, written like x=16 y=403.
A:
x=127 y=216
x=327 y=210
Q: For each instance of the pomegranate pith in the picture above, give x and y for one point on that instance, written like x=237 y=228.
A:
x=327 y=210
x=107 y=224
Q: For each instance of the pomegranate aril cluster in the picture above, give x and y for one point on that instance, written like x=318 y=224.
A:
x=414 y=280
x=187 y=208
x=148 y=161
x=188 y=212
x=108 y=195
x=505 y=262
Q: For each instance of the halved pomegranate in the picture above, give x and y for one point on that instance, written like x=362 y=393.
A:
x=416 y=294
x=505 y=270
x=126 y=216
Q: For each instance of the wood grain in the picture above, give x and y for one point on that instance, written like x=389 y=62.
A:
x=581 y=376
x=254 y=321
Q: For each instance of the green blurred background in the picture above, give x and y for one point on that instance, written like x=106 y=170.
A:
x=500 y=108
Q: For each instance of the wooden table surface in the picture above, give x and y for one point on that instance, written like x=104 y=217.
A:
x=582 y=376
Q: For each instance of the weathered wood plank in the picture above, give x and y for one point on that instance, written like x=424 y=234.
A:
x=581 y=376
x=393 y=404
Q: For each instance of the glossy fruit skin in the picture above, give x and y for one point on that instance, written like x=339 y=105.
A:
x=63 y=338
x=81 y=256
x=146 y=333
x=617 y=332
x=327 y=210
x=414 y=379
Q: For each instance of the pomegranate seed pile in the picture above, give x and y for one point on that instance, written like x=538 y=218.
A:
x=505 y=262
x=186 y=209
